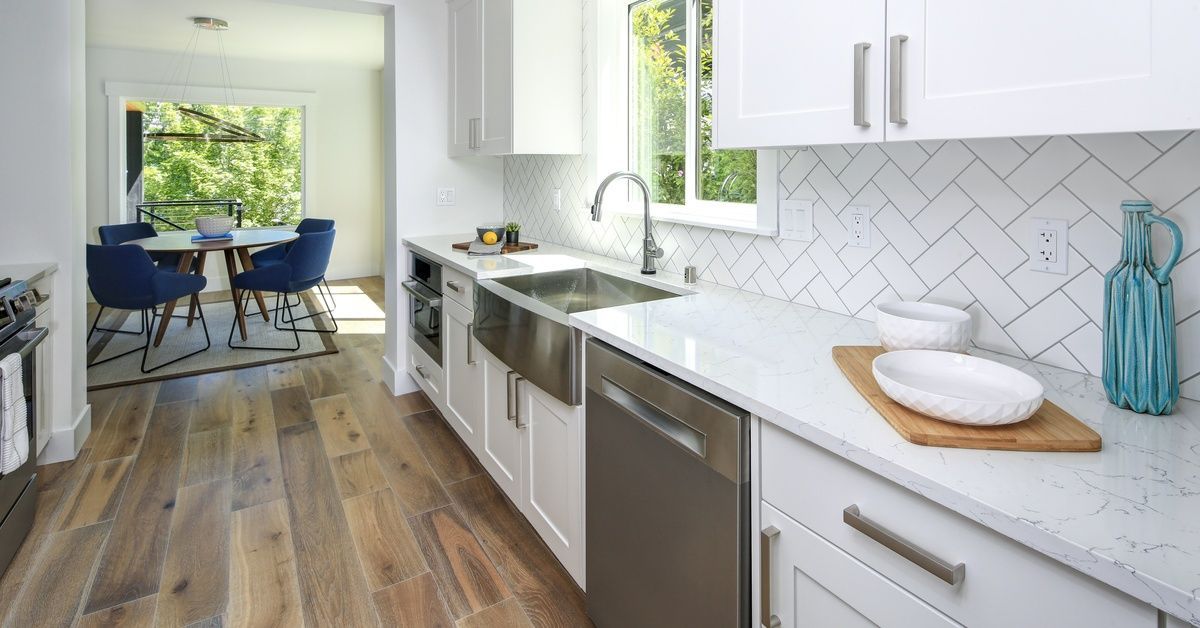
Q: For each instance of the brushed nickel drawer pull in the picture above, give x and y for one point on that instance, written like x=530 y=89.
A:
x=950 y=574
x=455 y=286
x=764 y=538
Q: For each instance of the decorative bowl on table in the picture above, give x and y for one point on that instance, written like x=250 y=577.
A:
x=915 y=325
x=957 y=388
x=214 y=226
x=496 y=230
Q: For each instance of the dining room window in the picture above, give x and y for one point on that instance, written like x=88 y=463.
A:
x=671 y=118
x=186 y=157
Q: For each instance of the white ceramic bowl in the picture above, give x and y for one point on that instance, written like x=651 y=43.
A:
x=958 y=388
x=915 y=325
x=213 y=226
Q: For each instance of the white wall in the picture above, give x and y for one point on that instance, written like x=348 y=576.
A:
x=41 y=46
x=347 y=174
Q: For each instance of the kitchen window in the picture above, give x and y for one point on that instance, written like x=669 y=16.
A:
x=670 y=83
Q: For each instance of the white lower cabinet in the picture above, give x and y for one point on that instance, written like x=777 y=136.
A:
x=426 y=372
x=462 y=370
x=813 y=583
x=499 y=449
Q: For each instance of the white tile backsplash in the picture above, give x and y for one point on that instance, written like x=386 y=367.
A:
x=950 y=225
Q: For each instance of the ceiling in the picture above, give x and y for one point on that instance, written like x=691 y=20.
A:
x=257 y=30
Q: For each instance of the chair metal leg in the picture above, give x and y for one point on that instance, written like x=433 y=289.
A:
x=146 y=348
x=287 y=308
x=327 y=311
x=145 y=330
x=96 y=327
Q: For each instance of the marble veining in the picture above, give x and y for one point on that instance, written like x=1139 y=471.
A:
x=1128 y=515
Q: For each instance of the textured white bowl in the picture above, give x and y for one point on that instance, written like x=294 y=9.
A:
x=213 y=226
x=958 y=388
x=915 y=325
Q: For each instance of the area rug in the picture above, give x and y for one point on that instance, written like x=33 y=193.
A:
x=181 y=340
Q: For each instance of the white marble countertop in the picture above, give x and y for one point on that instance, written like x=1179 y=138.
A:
x=28 y=272
x=1128 y=515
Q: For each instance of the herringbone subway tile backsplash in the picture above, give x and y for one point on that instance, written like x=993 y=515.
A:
x=950 y=225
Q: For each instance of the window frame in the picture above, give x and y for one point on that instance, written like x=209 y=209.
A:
x=760 y=218
x=121 y=93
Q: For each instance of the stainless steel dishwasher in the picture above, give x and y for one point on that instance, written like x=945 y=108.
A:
x=668 y=499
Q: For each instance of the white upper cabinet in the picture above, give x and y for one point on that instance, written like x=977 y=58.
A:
x=1031 y=67
x=791 y=72
x=786 y=70
x=515 y=77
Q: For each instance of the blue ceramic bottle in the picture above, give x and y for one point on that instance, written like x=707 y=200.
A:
x=1139 y=319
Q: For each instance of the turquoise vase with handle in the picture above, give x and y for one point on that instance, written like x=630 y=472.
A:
x=1140 y=371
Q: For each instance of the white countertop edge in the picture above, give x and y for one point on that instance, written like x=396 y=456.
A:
x=28 y=272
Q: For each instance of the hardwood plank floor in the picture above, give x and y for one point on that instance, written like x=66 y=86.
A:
x=220 y=501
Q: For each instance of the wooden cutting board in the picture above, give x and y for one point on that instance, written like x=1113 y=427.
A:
x=507 y=248
x=1050 y=429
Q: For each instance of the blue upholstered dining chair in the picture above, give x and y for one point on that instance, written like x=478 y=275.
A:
x=302 y=268
x=111 y=235
x=275 y=254
x=125 y=278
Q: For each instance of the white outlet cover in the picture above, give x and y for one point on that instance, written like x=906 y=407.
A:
x=855 y=235
x=796 y=220
x=1054 y=259
x=445 y=197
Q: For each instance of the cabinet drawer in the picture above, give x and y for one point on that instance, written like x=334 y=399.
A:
x=426 y=372
x=459 y=287
x=1004 y=583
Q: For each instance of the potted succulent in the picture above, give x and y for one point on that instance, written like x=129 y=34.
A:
x=512 y=233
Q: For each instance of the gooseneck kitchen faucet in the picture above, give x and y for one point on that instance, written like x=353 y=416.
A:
x=650 y=249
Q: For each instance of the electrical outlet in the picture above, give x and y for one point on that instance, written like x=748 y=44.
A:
x=1048 y=252
x=796 y=220
x=859 y=230
x=445 y=196
x=556 y=197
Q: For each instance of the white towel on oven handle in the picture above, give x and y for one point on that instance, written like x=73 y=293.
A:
x=14 y=433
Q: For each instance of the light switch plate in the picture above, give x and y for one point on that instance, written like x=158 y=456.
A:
x=1048 y=245
x=445 y=196
x=796 y=220
x=858 y=226
x=556 y=198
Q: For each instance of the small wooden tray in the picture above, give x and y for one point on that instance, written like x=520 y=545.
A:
x=507 y=248
x=1050 y=429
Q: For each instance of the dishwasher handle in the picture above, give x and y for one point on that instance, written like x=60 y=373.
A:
x=683 y=434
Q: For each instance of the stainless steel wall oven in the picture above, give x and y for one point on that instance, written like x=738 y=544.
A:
x=424 y=288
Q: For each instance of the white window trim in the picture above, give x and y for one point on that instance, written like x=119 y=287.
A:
x=607 y=141
x=120 y=93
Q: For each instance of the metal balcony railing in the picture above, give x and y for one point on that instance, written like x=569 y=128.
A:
x=182 y=215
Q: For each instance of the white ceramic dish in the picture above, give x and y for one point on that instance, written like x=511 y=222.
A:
x=958 y=388
x=915 y=325
x=213 y=226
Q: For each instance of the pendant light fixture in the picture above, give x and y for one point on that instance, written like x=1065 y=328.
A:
x=217 y=130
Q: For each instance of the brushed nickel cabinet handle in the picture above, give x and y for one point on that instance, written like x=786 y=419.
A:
x=421 y=371
x=455 y=286
x=470 y=345
x=517 y=403
x=950 y=574
x=860 y=84
x=896 y=80
x=765 y=537
x=510 y=397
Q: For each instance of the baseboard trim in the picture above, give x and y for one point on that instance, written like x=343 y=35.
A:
x=397 y=380
x=65 y=444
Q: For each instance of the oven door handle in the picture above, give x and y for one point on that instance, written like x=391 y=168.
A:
x=38 y=335
x=411 y=288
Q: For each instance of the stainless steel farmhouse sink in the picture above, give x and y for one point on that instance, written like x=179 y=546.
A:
x=523 y=320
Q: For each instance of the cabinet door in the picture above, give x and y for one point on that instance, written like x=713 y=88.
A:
x=785 y=72
x=496 y=128
x=463 y=374
x=553 y=488
x=466 y=56
x=813 y=583
x=500 y=449
x=42 y=410
x=1030 y=67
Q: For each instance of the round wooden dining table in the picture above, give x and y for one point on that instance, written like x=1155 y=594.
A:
x=235 y=250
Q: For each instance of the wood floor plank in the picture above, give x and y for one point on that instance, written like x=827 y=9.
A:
x=507 y=614
x=291 y=406
x=214 y=397
x=284 y=375
x=211 y=622
x=126 y=423
x=465 y=574
x=67 y=564
x=208 y=456
x=103 y=401
x=257 y=477
x=321 y=379
x=132 y=561
x=386 y=547
x=448 y=456
x=332 y=584
x=414 y=603
x=136 y=614
x=358 y=473
x=340 y=429
x=545 y=590
x=411 y=403
x=409 y=475
x=263 y=589
x=178 y=389
x=195 y=579
x=98 y=495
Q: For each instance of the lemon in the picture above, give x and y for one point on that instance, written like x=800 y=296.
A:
x=490 y=237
